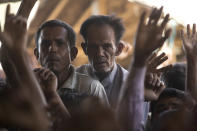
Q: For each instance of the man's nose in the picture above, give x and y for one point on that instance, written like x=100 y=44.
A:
x=100 y=51
x=53 y=47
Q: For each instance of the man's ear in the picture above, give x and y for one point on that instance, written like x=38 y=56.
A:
x=84 y=47
x=36 y=53
x=73 y=53
x=119 y=47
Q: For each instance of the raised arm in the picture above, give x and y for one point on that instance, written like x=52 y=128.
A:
x=14 y=42
x=190 y=44
x=148 y=38
x=48 y=83
x=153 y=84
x=25 y=8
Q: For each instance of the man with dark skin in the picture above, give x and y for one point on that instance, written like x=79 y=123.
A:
x=55 y=49
x=102 y=43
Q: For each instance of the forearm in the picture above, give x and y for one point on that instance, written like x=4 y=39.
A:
x=26 y=75
x=59 y=112
x=10 y=72
x=26 y=7
x=191 y=80
x=131 y=107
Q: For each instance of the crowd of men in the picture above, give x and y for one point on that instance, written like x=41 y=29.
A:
x=101 y=95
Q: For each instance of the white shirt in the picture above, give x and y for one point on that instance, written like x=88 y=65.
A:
x=82 y=83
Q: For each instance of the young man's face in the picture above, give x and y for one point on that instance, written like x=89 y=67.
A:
x=54 y=51
x=167 y=104
x=101 y=47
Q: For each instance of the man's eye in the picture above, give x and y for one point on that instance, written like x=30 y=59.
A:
x=107 y=46
x=46 y=43
x=59 y=42
x=92 y=47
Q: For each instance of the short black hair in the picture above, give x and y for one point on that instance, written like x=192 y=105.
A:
x=169 y=93
x=175 y=77
x=54 y=23
x=111 y=20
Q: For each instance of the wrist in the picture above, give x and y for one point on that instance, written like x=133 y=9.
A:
x=139 y=63
x=191 y=59
x=51 y=97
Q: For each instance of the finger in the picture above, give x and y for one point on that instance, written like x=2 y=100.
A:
x=22 y=24
x=7 y=11
x=194 y=30
x=157 y=58
x=157 y=85
x=158 y=82
x=152 y=57
x=158 y=15
x=1 y=33
x=4 y=39
x=161 y=60
x=150 y=78
x=39 y=72
x=165 y=21
x=160 y=88
x=182 y=36
x=163 y=39
x=36 y=69
x=44 y=73
x=154 y=82
x=48 y=75
x=164 y=69
x=142 y=19
x=159 y=75
x=51 y=76
x=188 y=30
x=0 y=28
x=152 y=16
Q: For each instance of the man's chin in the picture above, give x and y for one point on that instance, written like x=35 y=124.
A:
x=103 y=70
x=52 y=68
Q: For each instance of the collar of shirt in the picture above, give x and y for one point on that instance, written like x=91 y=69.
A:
x=70 y=82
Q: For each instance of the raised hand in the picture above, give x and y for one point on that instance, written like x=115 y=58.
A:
x=154 y=61
x=149 y=36
x=26 y=7
x=14 y=35
x=154 y=87
x=47 y=80
x=48 y=83
x=29 y=107
x=190 y=44
x=190 y=41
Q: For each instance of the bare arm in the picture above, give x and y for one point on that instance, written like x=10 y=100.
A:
x=148 y=38
x=25 y=8
x=153 y=85
x=190 y=44
x=29 y=93
x=48 y=83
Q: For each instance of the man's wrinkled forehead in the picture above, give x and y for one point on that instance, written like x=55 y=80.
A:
x=50 y=33
x=103 y=33
x=53 y=32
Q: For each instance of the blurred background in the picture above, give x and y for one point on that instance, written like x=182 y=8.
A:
x=75 y=12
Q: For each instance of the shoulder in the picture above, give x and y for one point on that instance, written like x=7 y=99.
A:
x=88 y=82
x=122 y=69
x=83 y=69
